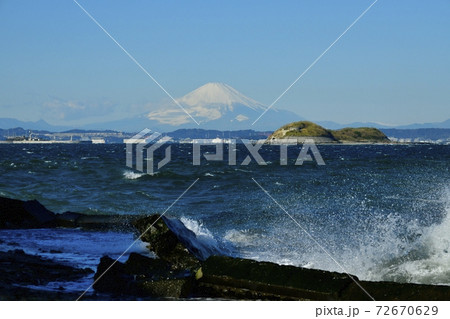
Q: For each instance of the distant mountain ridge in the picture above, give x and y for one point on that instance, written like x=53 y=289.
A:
x=433 y=134
x=215 y=106
x=334 y=125
x=41 y=125
x=444 y=124
x=211 y=134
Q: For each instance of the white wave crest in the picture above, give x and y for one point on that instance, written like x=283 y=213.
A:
x=205 y=237
x=197 y=227
x=132 y=175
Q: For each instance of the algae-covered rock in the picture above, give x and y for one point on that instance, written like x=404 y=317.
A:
x=236 y=278
x=168 y=288
x=244 y=279
x=146 y=267
x=165 y=243
x=142 y=276
x=264 y=280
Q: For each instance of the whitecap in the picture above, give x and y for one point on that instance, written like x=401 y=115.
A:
x=132 y=175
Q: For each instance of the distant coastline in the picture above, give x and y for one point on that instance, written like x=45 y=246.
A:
x=19 y=135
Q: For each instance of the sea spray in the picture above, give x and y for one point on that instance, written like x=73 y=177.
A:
x=429 y=262
x=205 y=237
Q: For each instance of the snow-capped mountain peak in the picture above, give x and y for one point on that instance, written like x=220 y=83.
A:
x=219 y=106
x=214 y=93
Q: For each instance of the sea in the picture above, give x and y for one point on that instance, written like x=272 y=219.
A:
x=380 y=212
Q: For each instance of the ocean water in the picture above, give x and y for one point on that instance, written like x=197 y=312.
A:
x=381 y=211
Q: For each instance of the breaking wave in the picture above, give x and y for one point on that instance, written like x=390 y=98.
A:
x=429 y=259
x=392 y=250
x=132 y=175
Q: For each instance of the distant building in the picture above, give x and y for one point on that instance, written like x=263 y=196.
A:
x=98 y=141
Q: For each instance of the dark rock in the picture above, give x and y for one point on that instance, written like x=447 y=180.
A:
x=149 y=268
x=15 y=293
x=111 y=277
x=393 y=291
x=165 y=243
x=17 y=214
x=20 y=214
x=41 y=214
x=168 y=288
x=142 y=276
x=98 y=222
x=236 y=278
x=228 y=278
x=68 y=219
x=19 y=269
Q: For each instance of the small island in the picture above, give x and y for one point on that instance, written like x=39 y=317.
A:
x=304 y=130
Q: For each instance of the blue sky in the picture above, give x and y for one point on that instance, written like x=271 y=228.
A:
x=392 y=67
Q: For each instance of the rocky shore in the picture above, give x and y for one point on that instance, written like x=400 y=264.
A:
x=185 y=267
x=20 y=272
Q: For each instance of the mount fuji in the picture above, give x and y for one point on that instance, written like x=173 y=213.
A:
x=219 y=106
x=214 y=106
